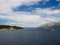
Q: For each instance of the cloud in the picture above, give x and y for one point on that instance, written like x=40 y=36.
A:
x=17 y=18
x=25 y=19
x=47 y=11
x=7 y=5
x=18 y=2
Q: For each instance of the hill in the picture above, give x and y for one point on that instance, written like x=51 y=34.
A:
x=52 y=26
x=8 y=27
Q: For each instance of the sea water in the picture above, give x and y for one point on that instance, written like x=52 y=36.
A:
x=30 y=37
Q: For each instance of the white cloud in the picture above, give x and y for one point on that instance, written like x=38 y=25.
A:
x=25 y=19
x=6 y=5
x=18 y=2
x=47 y=11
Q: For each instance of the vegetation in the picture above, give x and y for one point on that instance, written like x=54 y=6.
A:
x=10 y=27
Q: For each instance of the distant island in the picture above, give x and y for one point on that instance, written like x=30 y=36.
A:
x=52 y=25
x=8 y=27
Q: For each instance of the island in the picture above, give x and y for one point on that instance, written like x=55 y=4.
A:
x=52 y=25
x=9 y=27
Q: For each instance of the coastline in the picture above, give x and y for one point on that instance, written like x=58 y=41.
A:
x=11 y=29
x=8 y=27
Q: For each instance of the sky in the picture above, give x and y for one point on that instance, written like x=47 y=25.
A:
x=29 y=13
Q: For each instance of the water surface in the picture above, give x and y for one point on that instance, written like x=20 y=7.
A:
x=30 y=37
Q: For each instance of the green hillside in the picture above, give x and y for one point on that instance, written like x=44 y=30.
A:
x=10 y=27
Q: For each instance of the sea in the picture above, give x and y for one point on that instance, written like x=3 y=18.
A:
x=30 y=37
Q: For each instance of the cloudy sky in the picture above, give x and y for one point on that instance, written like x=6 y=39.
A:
x=29 y=13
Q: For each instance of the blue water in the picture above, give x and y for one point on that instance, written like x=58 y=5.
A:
x=30 y=37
